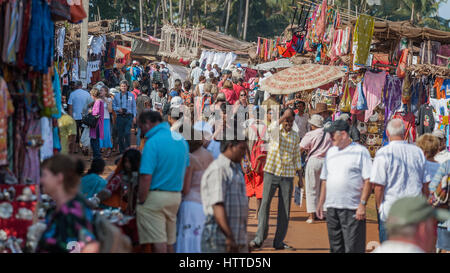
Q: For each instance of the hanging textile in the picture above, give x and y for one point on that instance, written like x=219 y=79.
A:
x=362 y=38
x=392 y=96
x=6 y=110
x=373 y=88
x=180 y=42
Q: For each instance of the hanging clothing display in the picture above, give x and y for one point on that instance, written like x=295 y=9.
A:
x=362 y=39
x=61 y=34
x=6 y=109
x=392 y=96
x=46 y=150
x=426 y=120
x=373 y=88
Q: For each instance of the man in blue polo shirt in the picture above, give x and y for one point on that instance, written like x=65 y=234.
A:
x=163 y=165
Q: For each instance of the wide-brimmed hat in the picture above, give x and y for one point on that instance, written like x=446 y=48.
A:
x=316 y=120
x=320 y=108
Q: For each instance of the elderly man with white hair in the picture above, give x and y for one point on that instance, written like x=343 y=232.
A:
x=398 y=171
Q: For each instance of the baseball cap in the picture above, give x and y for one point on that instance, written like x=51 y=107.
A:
x=176 y=101
x=173 y=93
x=413 y=210
x=338 y=125
x=438 y=134
x=344 y=117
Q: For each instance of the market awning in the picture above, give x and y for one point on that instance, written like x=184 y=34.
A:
x=300 y=78
x=280 y=63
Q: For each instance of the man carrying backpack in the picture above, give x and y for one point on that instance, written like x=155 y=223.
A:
x=282 y=164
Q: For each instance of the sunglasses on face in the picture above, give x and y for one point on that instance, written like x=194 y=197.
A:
x=243 y=95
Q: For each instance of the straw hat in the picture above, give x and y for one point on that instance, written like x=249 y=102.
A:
x=320 y=108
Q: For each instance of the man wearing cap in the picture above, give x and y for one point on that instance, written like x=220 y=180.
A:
x=443 y=154
x=411 y=225
x=345 y=190
x=175 y=116
x=398 y=171
x=316 y=142
x=355 y=135
x=282 y=164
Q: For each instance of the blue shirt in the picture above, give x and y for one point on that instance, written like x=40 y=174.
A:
x=92 y=184
x=135 y=73
x=165 y=157
x=125 y=101
x=78 y=99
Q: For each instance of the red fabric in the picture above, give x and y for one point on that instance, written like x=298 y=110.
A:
x=254 y=184
x=136 y=93
x=130 y=229
x=237 y=89
x=18 y=227
x=220 y=84
x=230 y=95
x=250 y=73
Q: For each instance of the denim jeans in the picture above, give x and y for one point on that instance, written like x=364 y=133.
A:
x=383 y=236
x=138 y=138
x=95 y=144
x=123 y=124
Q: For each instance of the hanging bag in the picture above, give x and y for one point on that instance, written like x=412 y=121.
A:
x=345 y=104
x=77 y=12
x=59 y=10
x=362 y=102
x=401 y=68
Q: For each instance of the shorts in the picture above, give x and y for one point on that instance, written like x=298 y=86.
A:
x=157 y=217
x=254 y=184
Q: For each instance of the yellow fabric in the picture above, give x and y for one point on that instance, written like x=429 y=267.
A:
x=362 y=38
x=67 y=127
x=283 y=158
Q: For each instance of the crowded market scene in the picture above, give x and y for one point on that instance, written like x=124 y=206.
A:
x=330 y=134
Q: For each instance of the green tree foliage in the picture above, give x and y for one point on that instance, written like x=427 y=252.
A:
x=267 y=18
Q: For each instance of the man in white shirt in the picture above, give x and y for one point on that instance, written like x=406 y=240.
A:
x=412 y=226
x=443 y=154
x=345 y=190
x=210 y=69
x=78 y=99
x=398 y=171
x=301 y=120
x=196 y=73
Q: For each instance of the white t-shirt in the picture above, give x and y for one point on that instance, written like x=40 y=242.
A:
x=106 y=112
x=431 y=169
x=345 y=171
x=206 y=73
x=78 y=99
x=442 y=156
x=397 y=247
x=195 y=75
x=400 y=168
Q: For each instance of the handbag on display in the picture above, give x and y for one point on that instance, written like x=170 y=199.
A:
x=77 y=12
x=59 y=10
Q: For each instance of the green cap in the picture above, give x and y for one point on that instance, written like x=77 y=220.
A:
x=413 y=210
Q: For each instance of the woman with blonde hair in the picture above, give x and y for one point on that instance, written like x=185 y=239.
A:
x=430 y=147
x=97 y=132
x=230 y=95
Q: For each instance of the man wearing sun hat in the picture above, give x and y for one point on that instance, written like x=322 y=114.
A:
x=411 y=226
x=316 y=142
x=322 y=109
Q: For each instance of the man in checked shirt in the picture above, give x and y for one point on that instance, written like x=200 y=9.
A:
x=282 y=164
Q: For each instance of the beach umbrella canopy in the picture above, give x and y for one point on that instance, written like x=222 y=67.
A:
x=300 y=78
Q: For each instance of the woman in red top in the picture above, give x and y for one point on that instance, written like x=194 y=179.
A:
x=230 y=95
x=136 y=90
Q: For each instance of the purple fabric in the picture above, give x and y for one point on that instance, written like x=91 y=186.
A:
x=31 y=169
x=97 y=109
x=373 y=88
x=392 y=96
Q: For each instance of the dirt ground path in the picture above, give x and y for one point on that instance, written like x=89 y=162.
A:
x=303 y=237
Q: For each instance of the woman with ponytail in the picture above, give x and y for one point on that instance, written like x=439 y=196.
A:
x=69 y=226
